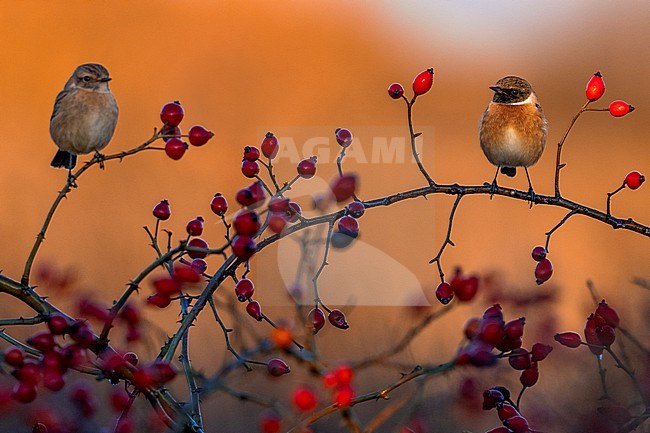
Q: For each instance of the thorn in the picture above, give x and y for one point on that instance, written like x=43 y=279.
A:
x=417 y=134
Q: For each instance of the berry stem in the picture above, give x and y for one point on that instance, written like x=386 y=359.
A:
x=324 y=263
x=409 y=114
x=558 y=159
x=609 y=199
x=184 y=358
x=226 y=331
x=557 y=226
x=447 y=240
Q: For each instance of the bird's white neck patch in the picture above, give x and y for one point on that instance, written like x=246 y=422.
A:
x=530 y=100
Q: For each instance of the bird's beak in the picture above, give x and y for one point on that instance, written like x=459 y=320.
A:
x=105 y=80
x=495 y=88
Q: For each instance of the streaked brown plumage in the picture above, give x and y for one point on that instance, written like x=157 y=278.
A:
x=84 y=116
x=513 y=128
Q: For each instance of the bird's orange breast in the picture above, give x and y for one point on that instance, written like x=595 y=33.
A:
x=513 y=135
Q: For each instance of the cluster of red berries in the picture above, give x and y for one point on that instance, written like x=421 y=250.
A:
x=492 y=332
x=461 y=286
x=49 y=370
x=316 y=320
x=166 y=287
x=600 y=330
x=498 y=398
x=145 y=377
x=595 y=90
x=421 y=84
x=544 y=267
x=128 y=315
x=171 y=115
x=244 y=290
x=347 y=228
x=339 y=381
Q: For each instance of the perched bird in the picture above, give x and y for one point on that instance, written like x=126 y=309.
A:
x=84 y=115
x=513 y=129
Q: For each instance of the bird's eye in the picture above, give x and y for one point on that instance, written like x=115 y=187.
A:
x=86 y=78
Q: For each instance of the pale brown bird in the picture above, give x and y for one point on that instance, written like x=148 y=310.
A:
x=84 y=115
x=513 y=128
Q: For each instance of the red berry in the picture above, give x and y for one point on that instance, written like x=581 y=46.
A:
x=517 y=424
x=471 y=328
x=606 y=335
x=244 y=289
x=195 y=226
x=355 y=209
x=270 y=146
x=169 y=131
x=634 y=179
x=343 y=137
x=29 y=373
x=343 y=375
x=395 y=90
x=172 y=113
x=53 y=380
x=279 y=204
x=307 y=168
x=251 y=153
x=254 y=310
x=24 y=392
x=81 y=333
x=295 y=211
x=160 y=300
x=568 y=339
x=519 y=359
x=270 y=423
x=277 y=222
x=514 y=328
x=467 y=289
x=257 y=192
x=243 y=247
x=492 y=397
x=219 y=205
x=199 y=135
x=166 y=285
x=304 y=398
x=540 y=351
x=162 y=371
x=539 y=253
x=495 y=311
x=186 y=274
x=595 y=87
x=246 y=223
x=490 y=330
x=199 y=266
x=344 y=396
x=423 y=82
x=543 y=271
x=42 y=341
x=197 y=243
x=175 y=148
x=277 y=367
x=162 y=211
x=57 y=323
x=608 y=314
x=444 y=293
x=131 y=358
x=591 y=335
x=14 y=356
x=337 y=319
x=246 y=197
x=620 y=108
x=315 y=320
x=505 y=411
x=529 y=376
x=250 y=169
x=344 y=187
x=348 y=226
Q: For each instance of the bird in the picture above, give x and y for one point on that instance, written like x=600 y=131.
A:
x=84 y=116
x=513 y=129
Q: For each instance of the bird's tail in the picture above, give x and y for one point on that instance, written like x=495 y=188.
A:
x=64 y=159
x=509 y=171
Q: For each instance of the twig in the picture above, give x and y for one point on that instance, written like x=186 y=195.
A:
x=557 y=226
x=447 y=240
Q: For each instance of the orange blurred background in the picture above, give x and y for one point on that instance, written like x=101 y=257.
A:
x=301 y=70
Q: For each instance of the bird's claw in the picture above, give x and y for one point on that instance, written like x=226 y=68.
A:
x=531 y=201
x=100 y=159
x=493 y=188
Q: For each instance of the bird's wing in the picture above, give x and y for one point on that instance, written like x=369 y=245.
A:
x=62 y=94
